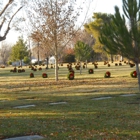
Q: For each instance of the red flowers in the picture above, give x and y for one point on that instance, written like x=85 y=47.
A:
x=90 y=71
x=44 y=75
x=107 y=74
x=133 y=74
x=71 y=75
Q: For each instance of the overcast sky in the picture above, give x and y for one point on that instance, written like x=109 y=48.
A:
x=107 y=6
x=103 y=6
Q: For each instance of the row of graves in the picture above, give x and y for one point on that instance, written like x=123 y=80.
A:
x=120 y=63
x=77 y=66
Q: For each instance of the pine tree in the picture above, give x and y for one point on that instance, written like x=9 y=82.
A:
x=122 y=38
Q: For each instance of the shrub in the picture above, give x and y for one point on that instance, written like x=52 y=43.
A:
x=70 y=75
x=133 y=74
x=90 y=71
x=107 y=74
x=44 y=75
x=31 y=75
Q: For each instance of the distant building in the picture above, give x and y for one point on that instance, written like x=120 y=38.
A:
x=52 y=60
x=18 y=63
x=34 y=60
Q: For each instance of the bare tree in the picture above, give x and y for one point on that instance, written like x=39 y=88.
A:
x=5 y=52
x=53 y=24
x=6 y=17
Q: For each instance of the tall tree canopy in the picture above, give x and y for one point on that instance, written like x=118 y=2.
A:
x=95 y=27
x=7 y=13
x=122 y=34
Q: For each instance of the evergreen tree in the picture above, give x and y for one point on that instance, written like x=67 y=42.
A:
x=122 y=38
x=19 y=51
x=82 y=51
x=95 y=27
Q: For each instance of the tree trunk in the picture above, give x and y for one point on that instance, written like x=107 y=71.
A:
x=56 y=67
x=80 y=68
x=47 y=62
x=138 y=74
x=21 y=63
x=111 y=58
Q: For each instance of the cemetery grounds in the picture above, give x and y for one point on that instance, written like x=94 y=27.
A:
x=90 y=107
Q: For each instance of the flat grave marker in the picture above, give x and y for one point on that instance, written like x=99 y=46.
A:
x=101 y=98
x=128 y=95
x=33 y=137
x=57 y=103
x=24 y=106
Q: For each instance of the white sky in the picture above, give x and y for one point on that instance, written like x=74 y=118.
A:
x=103 y=6
x=107 y=6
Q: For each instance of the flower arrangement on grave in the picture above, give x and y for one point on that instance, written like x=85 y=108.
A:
x=44 y=75
x=107 y=74
x=31 y=75
x=84 y=66
x=77 y=67
x=133 y=74
x=105 y=62
x=71 y=70
x=90 y=71
x=131 y=65
x=39 y=68
x=23 y=70
x=120 y=64
x=19 y=71
x=95 y=66
x=15 y=69
x=70 y=75
x=3 y=66
x=51 y=66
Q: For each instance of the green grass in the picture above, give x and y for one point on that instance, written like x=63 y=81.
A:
x=82 y=118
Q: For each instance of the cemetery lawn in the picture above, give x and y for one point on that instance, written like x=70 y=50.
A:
x=90 y=107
